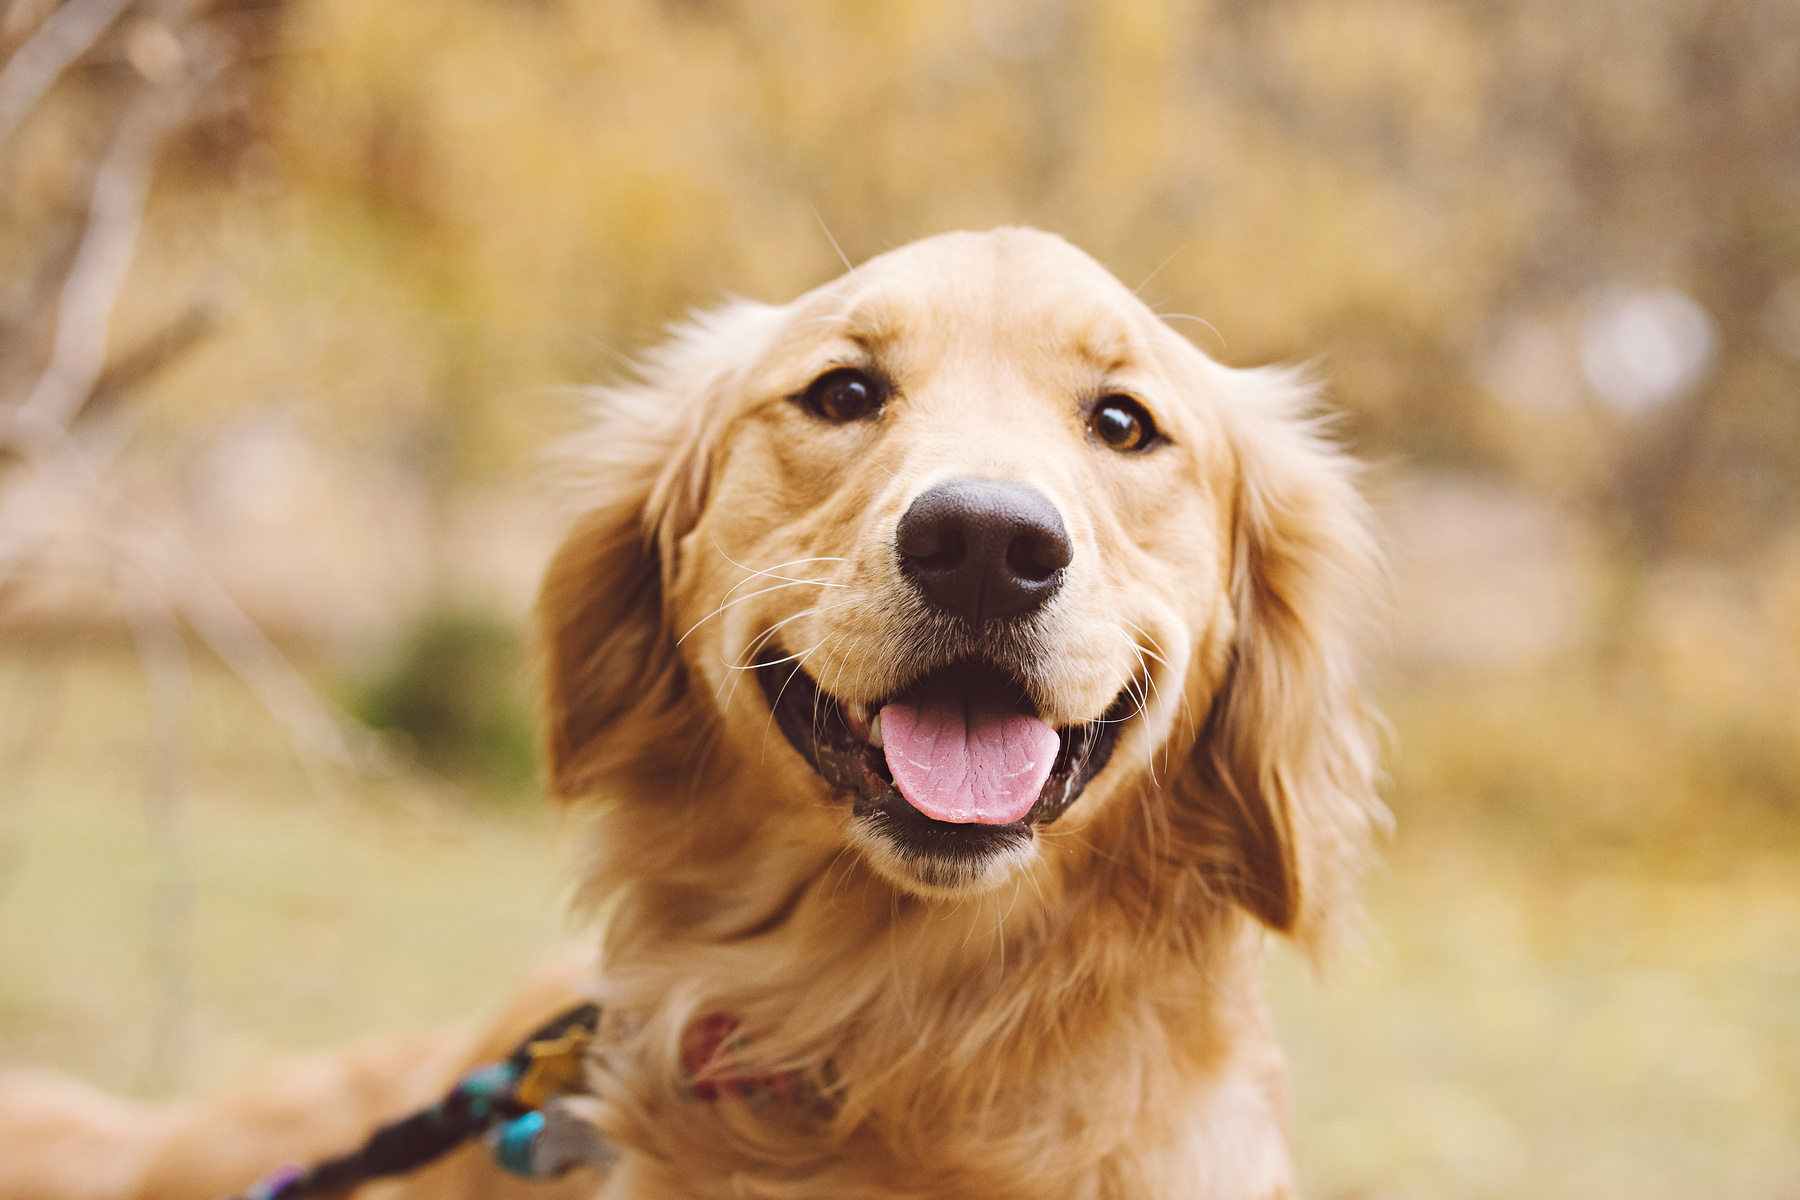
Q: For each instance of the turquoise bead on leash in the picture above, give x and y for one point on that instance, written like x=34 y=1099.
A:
x=513 y=1143
x=546 y=1143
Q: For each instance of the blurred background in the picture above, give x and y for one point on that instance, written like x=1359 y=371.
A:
x=293 y=293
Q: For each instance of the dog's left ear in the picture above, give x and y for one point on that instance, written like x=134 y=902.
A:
x=1285 y=766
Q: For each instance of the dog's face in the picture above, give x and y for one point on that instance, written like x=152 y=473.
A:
x=1013 y=528
x=961 y=553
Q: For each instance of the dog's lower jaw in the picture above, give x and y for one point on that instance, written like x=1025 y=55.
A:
x=936 y=877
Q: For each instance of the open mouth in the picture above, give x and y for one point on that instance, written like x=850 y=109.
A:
x=955 y=765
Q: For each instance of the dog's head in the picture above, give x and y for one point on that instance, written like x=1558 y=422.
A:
x=967 y=562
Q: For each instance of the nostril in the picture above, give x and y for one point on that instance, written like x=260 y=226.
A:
x=931 y=540
x=1032 y=560
x=946 y=553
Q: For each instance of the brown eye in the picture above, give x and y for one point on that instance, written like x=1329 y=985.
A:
x=1122 y=424
x=843 y=395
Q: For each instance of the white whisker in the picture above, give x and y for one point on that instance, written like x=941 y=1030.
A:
x=1148 y=687
x=757 y=643
x=1148 y=638
x=1185 y=708
x=834 y=242
x=1138 y=290
x=762 y=639
x=775 y=662
x=876 y=465
x=1202 y=320
x=751 y=596
x=1144 y=650
x=802 y=657
x=767 y=572
x=1038 y=887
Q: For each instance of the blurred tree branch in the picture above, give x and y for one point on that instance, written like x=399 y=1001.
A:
x=63 y=439
x=64 y=36
x=68 y=430
x=91 y=289
x=156 y=628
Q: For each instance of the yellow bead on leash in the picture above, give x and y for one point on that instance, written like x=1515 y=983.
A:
x=557 y=1065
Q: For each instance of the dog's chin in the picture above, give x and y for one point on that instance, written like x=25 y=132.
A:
x=916 y=852
x=917 y=856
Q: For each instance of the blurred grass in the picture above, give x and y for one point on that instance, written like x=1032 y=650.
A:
x=1589 y=1018
x=318 y=918
x=1518 y=1029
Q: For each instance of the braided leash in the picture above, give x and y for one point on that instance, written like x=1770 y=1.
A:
x=515 y=1106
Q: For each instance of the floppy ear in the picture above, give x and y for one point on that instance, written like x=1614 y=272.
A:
x=614 y=691
x=1286 y=763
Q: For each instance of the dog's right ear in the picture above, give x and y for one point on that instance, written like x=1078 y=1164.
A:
x=614 y=691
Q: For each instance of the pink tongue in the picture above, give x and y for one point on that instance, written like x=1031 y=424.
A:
x=959 y=755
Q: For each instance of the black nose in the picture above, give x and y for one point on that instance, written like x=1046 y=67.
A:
x=984 y=548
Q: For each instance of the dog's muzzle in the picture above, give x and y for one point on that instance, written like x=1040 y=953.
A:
x=839 y=747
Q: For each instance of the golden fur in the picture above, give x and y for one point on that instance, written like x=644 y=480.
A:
x=1083 y=1017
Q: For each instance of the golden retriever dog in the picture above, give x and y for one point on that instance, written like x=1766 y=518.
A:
x=959 y=668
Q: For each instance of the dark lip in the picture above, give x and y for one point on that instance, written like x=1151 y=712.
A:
x=815 y=725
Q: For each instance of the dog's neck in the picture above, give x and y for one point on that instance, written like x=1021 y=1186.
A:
x=939 y=1035
x=813 y=950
